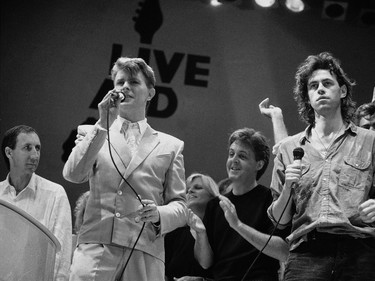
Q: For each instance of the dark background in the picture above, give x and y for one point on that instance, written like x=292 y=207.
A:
x=213 y=65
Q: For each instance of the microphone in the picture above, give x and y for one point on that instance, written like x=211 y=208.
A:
x=297 y=155
x=117 y=95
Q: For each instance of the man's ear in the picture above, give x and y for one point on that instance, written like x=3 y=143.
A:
x=151 y=94
x=8 y=152
x=343 y=91
x=259 y=165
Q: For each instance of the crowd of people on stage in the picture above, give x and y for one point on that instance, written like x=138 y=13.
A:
x=142 y=219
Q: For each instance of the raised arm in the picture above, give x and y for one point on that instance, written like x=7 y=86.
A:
x=275 y=113
x=83 y=155
x=90 y=140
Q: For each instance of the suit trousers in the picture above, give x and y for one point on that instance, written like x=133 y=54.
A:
x=98 y=262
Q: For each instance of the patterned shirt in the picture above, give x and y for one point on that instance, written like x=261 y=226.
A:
x=331 y=188
x=48 y=203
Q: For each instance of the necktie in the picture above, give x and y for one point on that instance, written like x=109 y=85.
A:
x=132 y=135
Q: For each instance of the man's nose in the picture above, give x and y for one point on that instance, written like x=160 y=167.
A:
x=34 y=153
x=235 y=159
x=126 y=87
x=321 y=89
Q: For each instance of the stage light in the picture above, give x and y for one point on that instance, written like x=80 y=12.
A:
x=215 y=3
x=265 y=3
x=295 y=5
x=367 y=18
x=335 y=10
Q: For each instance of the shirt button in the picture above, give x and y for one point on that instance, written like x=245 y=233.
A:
x=117 y=215
x=119 y=192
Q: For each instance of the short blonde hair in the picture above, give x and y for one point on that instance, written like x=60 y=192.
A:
x=208 y=183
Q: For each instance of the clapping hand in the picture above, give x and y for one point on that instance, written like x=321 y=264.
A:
x=229 y=210
x=195 y=222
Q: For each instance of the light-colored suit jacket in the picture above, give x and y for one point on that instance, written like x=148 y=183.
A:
x=156 y=172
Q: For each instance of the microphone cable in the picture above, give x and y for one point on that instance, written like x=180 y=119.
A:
x=297 y=155
x=118 y=171
x=268 y=240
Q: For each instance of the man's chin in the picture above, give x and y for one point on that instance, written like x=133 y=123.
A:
x=31 y=170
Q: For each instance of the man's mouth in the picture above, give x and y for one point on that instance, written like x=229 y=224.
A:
x=234 y=169
x=126 y=97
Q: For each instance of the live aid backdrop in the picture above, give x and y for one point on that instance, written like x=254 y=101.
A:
x=213 y=67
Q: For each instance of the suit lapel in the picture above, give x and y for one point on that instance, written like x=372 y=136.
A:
x=120 y=151
x=147 y=144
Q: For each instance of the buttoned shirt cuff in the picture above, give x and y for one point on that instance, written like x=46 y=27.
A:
x=157 y=227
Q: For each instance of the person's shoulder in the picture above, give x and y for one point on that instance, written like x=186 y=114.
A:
x=262 y=190
x=212 y=209
x=213 y=202
x=3 y=185
x=3 y=182
x=85 y=128
x=48 y=185
x=291 y=141
x=295 y=137
x=365 y=132
x=168 y=138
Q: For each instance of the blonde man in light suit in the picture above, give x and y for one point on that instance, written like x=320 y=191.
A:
x=154 y=167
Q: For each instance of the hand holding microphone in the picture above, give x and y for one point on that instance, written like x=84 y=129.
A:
x=117 y=95
x=109 y=107
x=293 y=171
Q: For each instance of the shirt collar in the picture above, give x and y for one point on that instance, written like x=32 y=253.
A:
x=142 y=124
x=306 y=135
x=30 y=186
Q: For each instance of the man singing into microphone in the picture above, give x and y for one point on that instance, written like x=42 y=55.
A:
x=137 y=183
x=333 y=234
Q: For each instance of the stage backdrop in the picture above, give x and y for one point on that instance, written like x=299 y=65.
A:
x=213 y=67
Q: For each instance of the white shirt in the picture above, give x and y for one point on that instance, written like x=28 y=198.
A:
x=47 y=202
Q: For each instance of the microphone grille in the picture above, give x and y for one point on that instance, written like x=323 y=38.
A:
x=298 y=153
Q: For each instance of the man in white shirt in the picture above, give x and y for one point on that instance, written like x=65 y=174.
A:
x=46 y=201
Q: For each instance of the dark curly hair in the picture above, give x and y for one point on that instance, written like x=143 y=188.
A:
x=325 y=61
x=367 y=109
